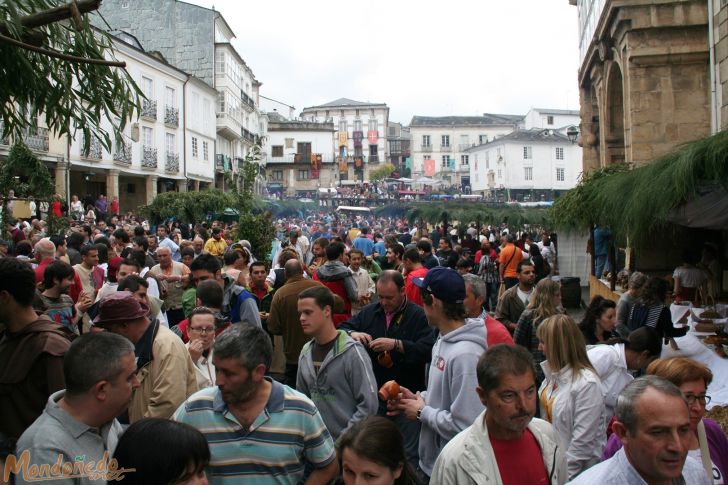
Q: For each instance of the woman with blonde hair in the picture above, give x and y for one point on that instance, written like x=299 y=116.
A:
x=706 y=443
x=571 y=396
x=545 y=302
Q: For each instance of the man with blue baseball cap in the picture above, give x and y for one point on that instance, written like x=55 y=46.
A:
x=449 y=405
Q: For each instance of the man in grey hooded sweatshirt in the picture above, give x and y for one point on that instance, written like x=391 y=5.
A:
x=449 y=404
x=334 y=370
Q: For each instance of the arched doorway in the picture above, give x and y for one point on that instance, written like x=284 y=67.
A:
x=614 y=127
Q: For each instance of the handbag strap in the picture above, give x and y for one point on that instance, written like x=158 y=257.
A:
x=704 y=451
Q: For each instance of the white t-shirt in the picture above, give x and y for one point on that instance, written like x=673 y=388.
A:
x=525 y=297
x=718 y=478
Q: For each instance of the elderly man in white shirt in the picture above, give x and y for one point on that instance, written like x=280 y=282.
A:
x=653 y=423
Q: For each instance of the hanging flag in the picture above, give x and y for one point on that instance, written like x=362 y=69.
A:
x=358 y=137
x=373 y=137
x=408 y=162
x=358 y=163
x=343 y=166
x=429 y=166
x=343 y=138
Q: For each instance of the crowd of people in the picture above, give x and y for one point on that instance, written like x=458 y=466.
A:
x=361 y=351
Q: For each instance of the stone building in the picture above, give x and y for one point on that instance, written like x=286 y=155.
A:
x=644 y=77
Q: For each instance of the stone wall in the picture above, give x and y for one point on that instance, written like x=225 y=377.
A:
x=183 y=33
x=720 y=28
x=644 y=83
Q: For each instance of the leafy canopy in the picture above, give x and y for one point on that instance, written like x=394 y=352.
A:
x=69 y=95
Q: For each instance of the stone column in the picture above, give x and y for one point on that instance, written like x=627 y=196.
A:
x=61 y=185
x=112 y=184
x=196 y=185
x=151 y=188
x=182 y=185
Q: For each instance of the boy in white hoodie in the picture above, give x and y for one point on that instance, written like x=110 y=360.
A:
x=334 y=370
x=449 y=405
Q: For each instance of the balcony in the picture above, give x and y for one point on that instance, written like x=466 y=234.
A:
x=373 y=159
x=248 y=136
x=220 y=162
x=239 y=164
x=248 y=102
x=122 y=154
x=34 y=137
x=426 y=148
x=95 y=150
x=149 y=109
x=445 y=148
x=171 y=116
x=229 y=126
x=172 y=163
x=149 y=157
x=464 y=146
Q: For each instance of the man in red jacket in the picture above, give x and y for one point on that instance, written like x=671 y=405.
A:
x=413 y=268
x=45 y=253
x=337 y=278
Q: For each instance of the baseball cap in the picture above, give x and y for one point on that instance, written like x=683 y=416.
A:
x=444 y=284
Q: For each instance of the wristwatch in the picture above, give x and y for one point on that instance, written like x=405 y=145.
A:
x=419 y=413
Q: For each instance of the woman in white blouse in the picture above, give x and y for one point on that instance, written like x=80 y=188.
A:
x=201 y=330
x=571 y=395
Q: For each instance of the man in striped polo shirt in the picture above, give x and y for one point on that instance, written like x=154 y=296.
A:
x=258 y=429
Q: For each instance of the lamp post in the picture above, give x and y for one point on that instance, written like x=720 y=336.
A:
x=572 y=134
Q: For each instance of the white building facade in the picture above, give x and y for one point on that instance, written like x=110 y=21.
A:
x=300 y=156
x=360 y=137
x=440 y=145
x=153 y=155
x=552 y=119
x=526 y=165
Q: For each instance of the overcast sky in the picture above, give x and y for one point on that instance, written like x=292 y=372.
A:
x=421 y=57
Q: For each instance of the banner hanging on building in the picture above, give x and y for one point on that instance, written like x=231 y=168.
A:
x=373 y=137
x=343 y=138
x=429 y=166
x=358 y=137
x=343 y=165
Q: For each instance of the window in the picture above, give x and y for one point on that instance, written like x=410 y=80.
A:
x=357 y=125
x=373 y=124
x=464 y=159
x=527 y=155
x=205 y=151
x=498 y=153
x=147 y=136
x=276 y=150
x=482 y=139
x=170 y=144
x=170 y=99
x=220 y=62
x=445 y=161
x=277 y=175
x=303 y=174
x=342 y=126
x=500 y=173
x=464 y=142
x=220 y=102
x=425 y=141
x=373 y=150
x=426 y=156
x=528 y=173
x=445 y=140
x=304 y=149
x=289 y=142
x=392 y=131
x=559 y=153
x=194 y=147
x=560 y=175
x=125 y=4
x=549 y=120
x=148 y=88
x=206 y=108
x=357 y=112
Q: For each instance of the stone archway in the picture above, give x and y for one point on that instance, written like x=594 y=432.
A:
x=615 y=122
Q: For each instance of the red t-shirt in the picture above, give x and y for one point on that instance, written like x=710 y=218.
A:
x=520 y=461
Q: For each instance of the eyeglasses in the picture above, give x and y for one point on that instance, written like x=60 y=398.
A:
x=691 y=398
x=203 y=331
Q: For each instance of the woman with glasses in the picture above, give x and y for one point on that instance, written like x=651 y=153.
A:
x=201 y=330
x=707 y=443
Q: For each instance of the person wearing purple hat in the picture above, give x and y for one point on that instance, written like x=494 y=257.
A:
x=164 y=367
x=449 y=405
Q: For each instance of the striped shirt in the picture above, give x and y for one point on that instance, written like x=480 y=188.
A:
x=286 y=437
